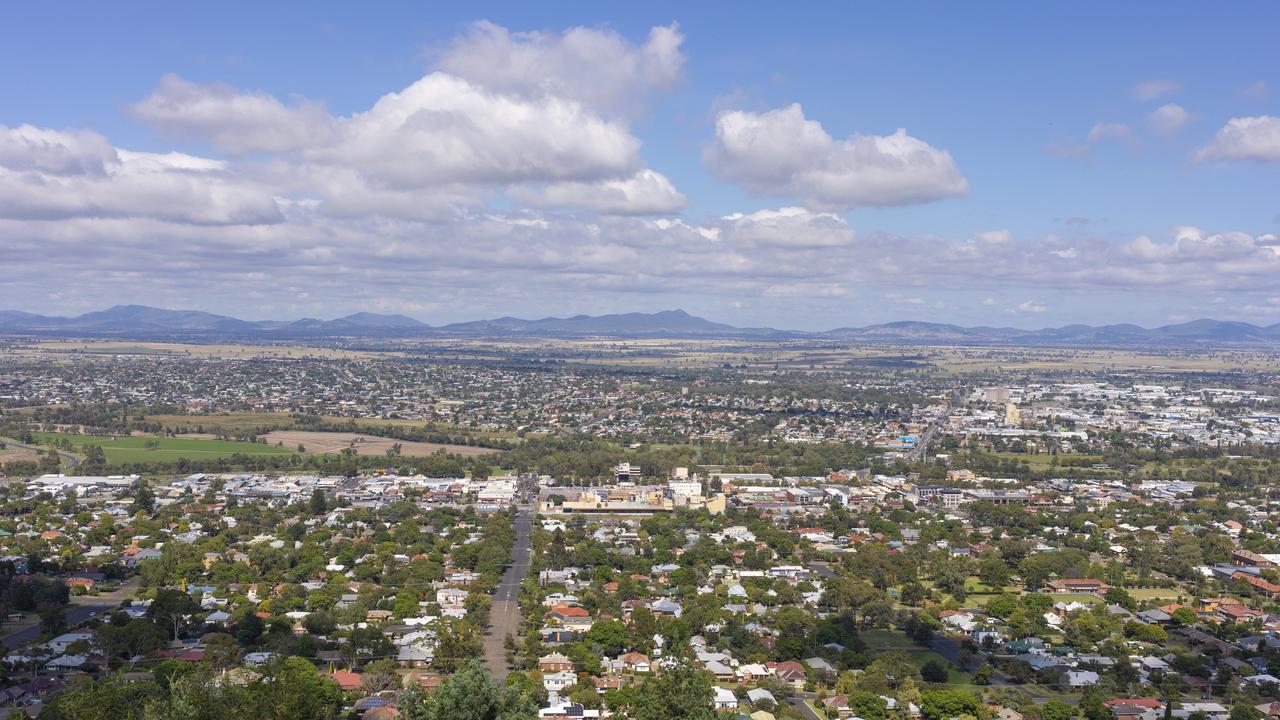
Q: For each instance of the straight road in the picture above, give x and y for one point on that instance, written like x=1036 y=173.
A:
x=504 y=616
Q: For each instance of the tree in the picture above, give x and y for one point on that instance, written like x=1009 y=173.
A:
x=680 y=693
x=171 y=608
x=469 y=694
x=221 y=651
x=946 y=704
x=983 y=675
x=1241 y=711
x=934 y=671
x=319 y=505
x=144 y=500
x=1092 y=706
x=292 y=688
x=108 y=698
x=1057 y=710
x=608 y=637
x=456 y=643
x=249 y=628
x=867 y=705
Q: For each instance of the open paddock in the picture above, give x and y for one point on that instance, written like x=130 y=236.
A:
x=336 y=442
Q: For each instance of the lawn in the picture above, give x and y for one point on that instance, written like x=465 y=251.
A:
x=135 y=450
x=894 y=640
x=1141 y=594
x=1083 y=598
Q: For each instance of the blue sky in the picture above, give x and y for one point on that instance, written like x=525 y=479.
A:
x=1082 y=162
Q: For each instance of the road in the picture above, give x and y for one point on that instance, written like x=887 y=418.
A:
x=922 y=443
x=81 y=608
x=797 y=702
x=504 y=616
x=70 y=460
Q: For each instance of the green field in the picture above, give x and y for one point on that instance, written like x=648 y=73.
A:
x=135 y=450
x=895 y=640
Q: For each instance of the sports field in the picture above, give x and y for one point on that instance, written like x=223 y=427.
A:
x=137 y=450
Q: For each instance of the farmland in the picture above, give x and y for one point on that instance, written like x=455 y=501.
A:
x=141 y=449
x=333 y=442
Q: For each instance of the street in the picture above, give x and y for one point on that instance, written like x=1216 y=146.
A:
x=504 y=615
x=80 y=610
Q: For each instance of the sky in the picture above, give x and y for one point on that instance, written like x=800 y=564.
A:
x=835 y=164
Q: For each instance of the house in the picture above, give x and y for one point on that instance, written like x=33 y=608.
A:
x=756 y=696
x=1127 y=708
x=725 y=699
x=1081 y=678
x=636 y=662
x=555 y=682
x=566 y=710
x=555 y=662
x=790 y=671
x=347 y=680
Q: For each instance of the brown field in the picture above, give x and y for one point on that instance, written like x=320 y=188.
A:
x=333 y=442
x=14 y=454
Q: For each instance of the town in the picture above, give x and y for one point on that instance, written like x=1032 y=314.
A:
x=579 y=540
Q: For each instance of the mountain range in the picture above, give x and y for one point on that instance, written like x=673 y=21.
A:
x=142 y=322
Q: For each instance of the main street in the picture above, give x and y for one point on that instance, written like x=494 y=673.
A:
x=504 y=616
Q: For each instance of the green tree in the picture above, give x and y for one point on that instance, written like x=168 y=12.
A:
x=680 y=693
x=469 y=694
x=1057 y=710
x=319 y=504
x=946 y=704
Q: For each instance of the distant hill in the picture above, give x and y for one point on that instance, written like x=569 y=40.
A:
x=142 y=322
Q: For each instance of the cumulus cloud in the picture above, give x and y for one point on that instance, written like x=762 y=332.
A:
x=596 y=67
x=235 y=122
x=788 y=227
x=1244 y=139
x=1168 y=119
x=51 y=174
x=1032 y=306
x=1153 y=89
x=42 y=150
x=645 y=193
x=519 y=111
x=782 y=153
x=445 y=129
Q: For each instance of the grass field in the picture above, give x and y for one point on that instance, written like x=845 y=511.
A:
x=231 y=423
x=894 y=640
x=135 y=450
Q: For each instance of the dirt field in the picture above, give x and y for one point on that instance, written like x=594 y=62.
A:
x=13 y=454
x=333 y=442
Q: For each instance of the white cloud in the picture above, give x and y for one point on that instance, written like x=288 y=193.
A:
x=52 y=174
x=782 y=153
x=806 y=290
x=235 y=122
x=60 y=152
x=1254 y=139
x=596 y=67
x=788 y=227
x=444 y=129
x=1168 y=119
x=645 y=193
x=1031 y=306
x=1152 y=89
